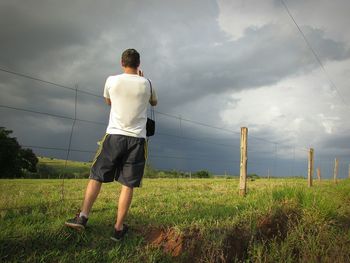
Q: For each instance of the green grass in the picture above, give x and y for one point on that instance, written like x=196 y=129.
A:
x=179 y=220
x=59 y=163
x=58 y=167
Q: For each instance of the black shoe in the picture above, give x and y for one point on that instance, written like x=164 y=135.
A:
x=118 y=235
x=78 y=222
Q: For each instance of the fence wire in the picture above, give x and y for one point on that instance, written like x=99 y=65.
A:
x=182 y=144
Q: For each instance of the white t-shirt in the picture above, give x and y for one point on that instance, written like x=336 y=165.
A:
x=130 y=95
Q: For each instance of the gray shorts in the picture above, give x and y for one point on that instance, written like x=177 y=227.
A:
x=121 y=158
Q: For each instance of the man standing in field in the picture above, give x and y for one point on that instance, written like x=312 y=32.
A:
x=123 y=150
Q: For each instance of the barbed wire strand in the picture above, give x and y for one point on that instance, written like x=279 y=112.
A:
x=105 y=123
x=190 y=158
x=70 y=138
x=313 y=51
x=159 y=112
x=100 y=123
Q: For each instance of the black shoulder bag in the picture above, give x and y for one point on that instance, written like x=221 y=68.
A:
x=151 y=122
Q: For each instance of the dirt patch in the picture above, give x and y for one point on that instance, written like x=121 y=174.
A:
x=175 y=243
x=189 y=245
x=236 y=243
x=170 y=240
x=193 y=244
x=275 y=224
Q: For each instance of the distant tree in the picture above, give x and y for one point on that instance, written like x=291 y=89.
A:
x=14 y=159
x=28 y=160
x=9 y=148
x=253 y=177
x=202 y=174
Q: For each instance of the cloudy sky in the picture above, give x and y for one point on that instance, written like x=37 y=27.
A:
x=224 y=63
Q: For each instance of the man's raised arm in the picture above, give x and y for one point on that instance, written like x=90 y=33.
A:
x=153 y=100
x=108 y=101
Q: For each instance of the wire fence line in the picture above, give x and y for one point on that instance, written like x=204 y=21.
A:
x=76 y=90
x=179 y=118
x=316 y=56
x=70 y=136
x=228 y=161
x=105 y=123
x=153 y=156
x=76 y=119
x=273 y=151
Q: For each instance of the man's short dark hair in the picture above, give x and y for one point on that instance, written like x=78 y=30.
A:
x=130 y=58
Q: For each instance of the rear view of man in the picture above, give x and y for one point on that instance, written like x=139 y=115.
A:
x=123 y=150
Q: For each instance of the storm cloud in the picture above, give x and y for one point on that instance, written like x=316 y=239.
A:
x=225 y=63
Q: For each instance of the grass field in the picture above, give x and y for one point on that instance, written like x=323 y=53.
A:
x=58 y=167
x=60 y=164
x=179 y=220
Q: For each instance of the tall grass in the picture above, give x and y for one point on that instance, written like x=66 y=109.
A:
x=280 y=220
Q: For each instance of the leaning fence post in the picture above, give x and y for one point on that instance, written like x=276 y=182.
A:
x=310 y=170
x=243 y=164
x=319 y=174
x=335 y=173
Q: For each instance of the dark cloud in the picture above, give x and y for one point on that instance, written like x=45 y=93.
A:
x=326 y=48
x=262 y=57
x=340 y=142
x=30 y=31
x=183 y=50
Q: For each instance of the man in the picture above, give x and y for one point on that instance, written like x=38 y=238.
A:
x=123 y=150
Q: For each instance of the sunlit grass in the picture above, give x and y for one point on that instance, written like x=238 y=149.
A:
x=32 y=214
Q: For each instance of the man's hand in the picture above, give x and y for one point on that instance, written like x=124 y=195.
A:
x=140 y=73
x=153 y=102
x=108 y=101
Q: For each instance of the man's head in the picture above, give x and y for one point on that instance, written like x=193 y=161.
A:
x=130 y=58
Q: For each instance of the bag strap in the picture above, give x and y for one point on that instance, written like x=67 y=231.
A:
x=152 y=107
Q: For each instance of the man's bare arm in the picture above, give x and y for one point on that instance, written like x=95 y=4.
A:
x=108 y=101
x=153 y=102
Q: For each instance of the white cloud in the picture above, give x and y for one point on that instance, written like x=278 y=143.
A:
x=332 y=17
x=237 y=16
x=301 y=110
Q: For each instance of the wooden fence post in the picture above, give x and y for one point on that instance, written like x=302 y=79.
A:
x=243 y=164
x=335 y=173
x=349 y=171
x=310 y=170
x=319 y=174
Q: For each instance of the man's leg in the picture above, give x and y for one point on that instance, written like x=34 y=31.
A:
x=132 y=168
x=123 y=205
x=92 y=190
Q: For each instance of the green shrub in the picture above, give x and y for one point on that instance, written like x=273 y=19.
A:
x=47 y=171
x=202 y=174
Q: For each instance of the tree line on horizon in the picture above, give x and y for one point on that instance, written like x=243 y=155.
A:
x=18 y=162
x=15 y=161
